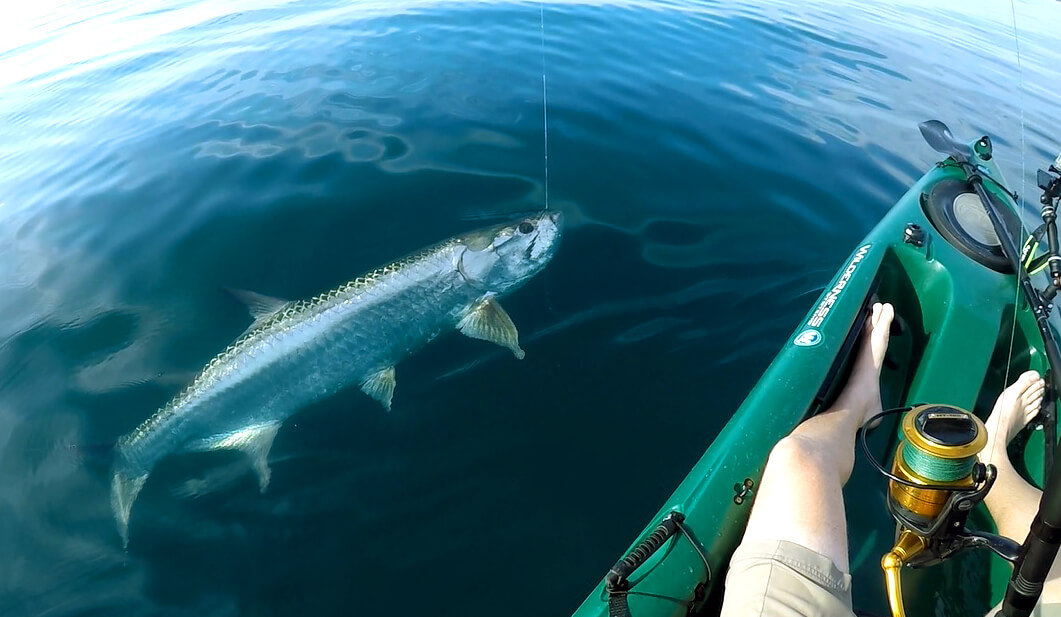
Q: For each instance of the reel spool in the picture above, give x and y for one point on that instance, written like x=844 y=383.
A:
x=936 y=457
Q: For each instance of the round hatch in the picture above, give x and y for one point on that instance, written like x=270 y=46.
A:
x=957 y=214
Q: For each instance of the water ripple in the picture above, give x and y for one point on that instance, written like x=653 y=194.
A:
x=715 y=160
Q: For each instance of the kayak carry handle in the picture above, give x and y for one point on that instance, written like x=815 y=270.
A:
x=617 y=584
x=616 y=578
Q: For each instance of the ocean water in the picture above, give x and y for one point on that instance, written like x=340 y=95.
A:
x=715 y=162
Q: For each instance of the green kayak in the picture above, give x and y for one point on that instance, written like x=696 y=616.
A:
x=948 y=256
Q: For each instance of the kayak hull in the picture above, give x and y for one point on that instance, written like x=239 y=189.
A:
x=958 y=321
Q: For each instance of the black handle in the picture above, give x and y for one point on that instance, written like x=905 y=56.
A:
x=616 y=578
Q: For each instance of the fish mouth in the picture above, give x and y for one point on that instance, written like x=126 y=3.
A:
x=556 y=216
x=548 y=231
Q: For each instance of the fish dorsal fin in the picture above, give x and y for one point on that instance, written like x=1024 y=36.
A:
x=255 y=441
x=489 y=322
x=380 y=386
x=261 y=306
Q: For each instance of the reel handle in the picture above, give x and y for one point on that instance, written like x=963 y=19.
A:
x=908 y=545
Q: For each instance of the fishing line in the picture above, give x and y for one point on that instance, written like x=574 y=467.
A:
x=1002 y=433
x=545 y=103
x=545 y=131
x=1020 y=99
x=1020 y=96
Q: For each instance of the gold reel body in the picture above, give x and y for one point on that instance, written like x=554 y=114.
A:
x=935 y=460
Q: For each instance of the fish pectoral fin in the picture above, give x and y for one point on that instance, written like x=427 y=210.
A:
x=489 y=322
x=124 y=489
x=255 y=441
x=380 y=386
x=261 y=306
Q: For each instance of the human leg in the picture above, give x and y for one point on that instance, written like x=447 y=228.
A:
x=793 y=558
x=1012 y=501
x=800 y=499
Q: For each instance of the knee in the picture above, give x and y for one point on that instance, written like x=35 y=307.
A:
x=802 y=455
x=793 y=451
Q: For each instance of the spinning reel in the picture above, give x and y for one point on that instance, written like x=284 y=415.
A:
x=934 y=482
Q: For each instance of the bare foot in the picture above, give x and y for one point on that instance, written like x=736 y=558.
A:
x=861 y=395
x=1013 y=410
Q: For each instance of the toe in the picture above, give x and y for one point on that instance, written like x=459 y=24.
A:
x=1031 y=401
x=1033 y=398
x=882 y=328
x=1031 y=405
x=1018 y=389
x=1027 y=379
x=887 y=313
x=1035 y=390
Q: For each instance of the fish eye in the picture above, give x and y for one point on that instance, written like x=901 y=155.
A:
x=525 y=227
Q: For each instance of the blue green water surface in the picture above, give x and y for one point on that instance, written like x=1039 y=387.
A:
x=715 y=162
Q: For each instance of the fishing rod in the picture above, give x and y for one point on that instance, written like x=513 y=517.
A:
x=940 y=139
x=1049 y=181
x=1037 y=553
x=1041 y=546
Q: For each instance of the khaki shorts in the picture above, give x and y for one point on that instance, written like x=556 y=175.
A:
x=776 y=578
x=1040 y=610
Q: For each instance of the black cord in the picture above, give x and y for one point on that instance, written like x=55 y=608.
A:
x=631 y=592
x=977 y=170
x=696 y=546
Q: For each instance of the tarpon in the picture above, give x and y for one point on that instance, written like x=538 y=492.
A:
x=298 y=352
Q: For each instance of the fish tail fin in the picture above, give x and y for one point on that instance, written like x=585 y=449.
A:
x=125 y=486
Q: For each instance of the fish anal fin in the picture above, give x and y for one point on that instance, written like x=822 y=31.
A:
x=124 y=489
x=489 y=322
x=255 y=441
x=380 y=386
x=260 y=306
